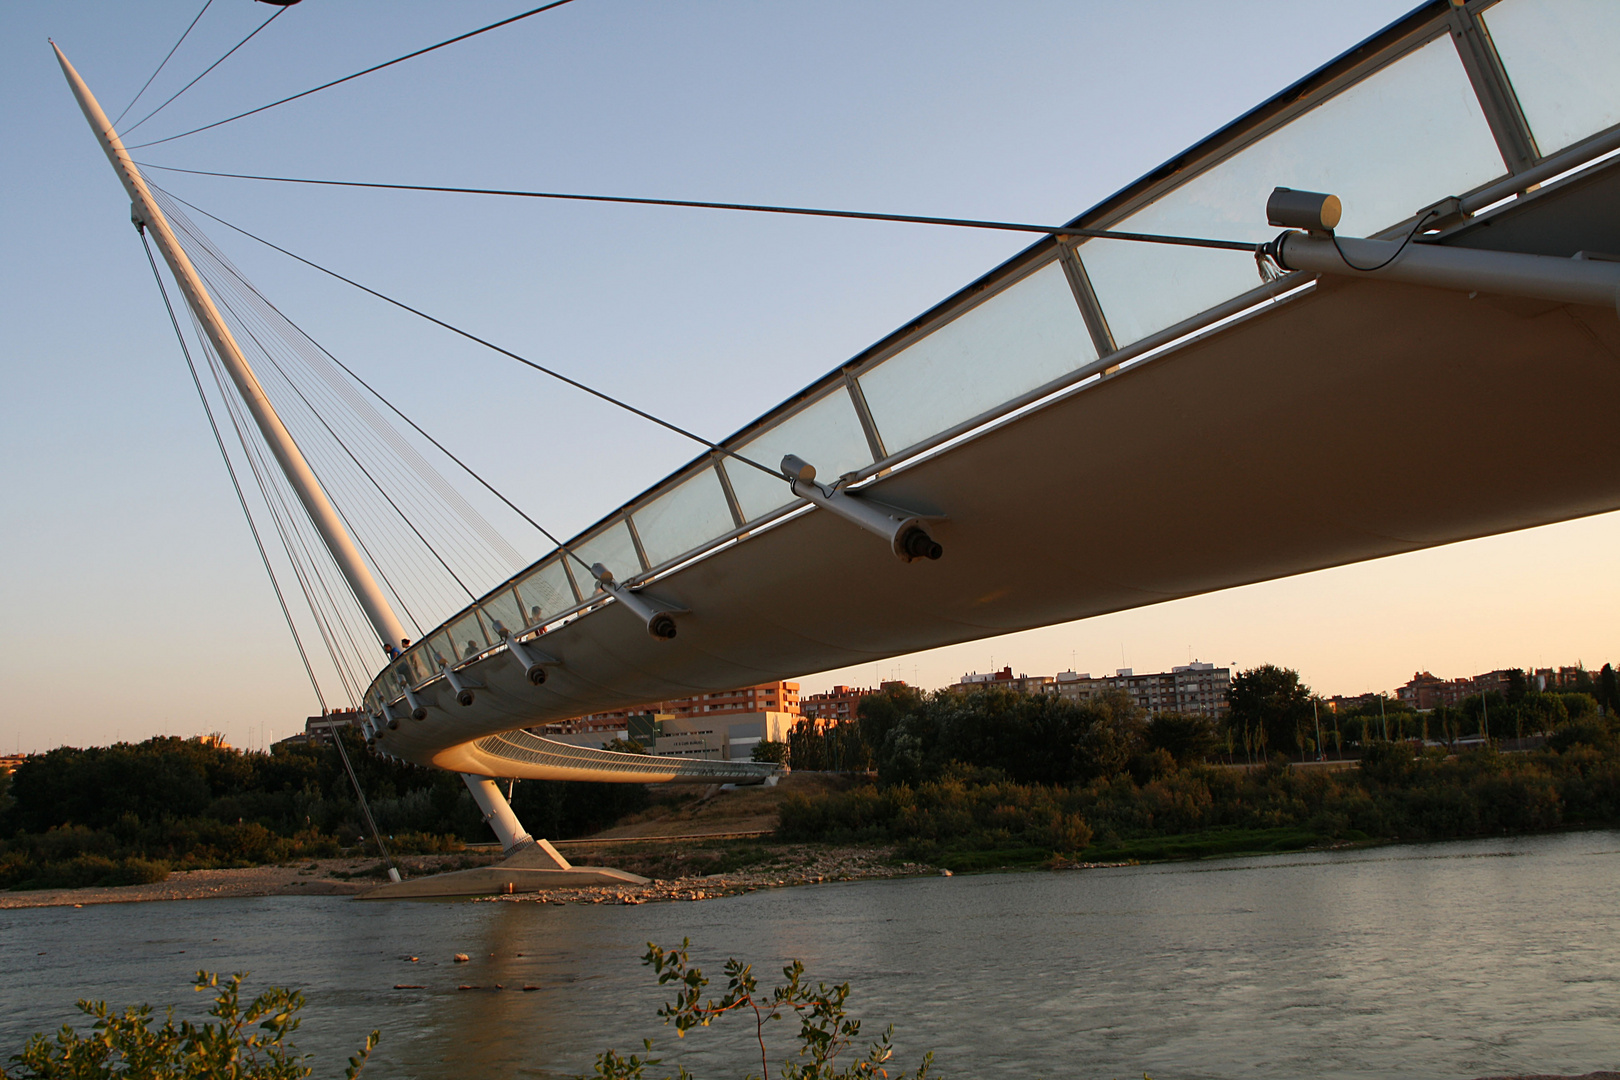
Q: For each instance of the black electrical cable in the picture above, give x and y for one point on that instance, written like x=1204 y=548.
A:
x=376 y=67
x=231 y=469
x=1409 y=238
x=755 y=208
x=279 y=13
x=160 y=67
x=777 y=474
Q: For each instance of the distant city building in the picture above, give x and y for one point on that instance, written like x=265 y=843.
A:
x=9 y=762
x=1198 y=689
x=1425 y=691
x=725 y=725
x=1002 y=680
x=762 y=697
x=318 y=729
x=1343 y=703
x=838 y=705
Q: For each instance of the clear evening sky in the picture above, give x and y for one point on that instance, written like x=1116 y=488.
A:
x=131 y=600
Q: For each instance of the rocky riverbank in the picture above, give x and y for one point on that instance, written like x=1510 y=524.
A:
x=797 y=866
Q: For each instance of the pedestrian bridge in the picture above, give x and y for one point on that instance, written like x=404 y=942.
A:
x=1097 y=425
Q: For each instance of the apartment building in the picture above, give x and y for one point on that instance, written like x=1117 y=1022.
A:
x=1197 y=688
x=840 y=704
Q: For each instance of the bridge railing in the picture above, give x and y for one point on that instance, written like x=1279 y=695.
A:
x=1448 y=101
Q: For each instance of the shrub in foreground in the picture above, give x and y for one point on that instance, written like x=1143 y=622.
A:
x=825 y=1029
x=244 y=1042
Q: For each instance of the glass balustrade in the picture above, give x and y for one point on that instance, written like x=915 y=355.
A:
x=1021 y=338
x=613 y=548
x=440 y=652
x=1404 y=137
x=467 y=637
x=1563 y=59
x=827 y=433
x=685 y=517
x=503 y=611
x=545 y=592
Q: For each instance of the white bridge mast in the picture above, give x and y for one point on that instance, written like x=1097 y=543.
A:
x=496 y=810
x=292 y=462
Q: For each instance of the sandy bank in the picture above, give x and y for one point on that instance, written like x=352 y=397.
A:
x=319 y=877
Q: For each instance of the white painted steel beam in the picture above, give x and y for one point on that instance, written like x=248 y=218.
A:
x=297 y=470
x=1592 y=282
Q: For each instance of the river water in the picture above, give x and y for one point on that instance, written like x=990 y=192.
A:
x=1444 y=960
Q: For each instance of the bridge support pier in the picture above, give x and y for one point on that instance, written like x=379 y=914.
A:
x=509 y=830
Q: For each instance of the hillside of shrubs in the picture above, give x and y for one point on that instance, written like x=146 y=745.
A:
x=132 y=812
x=993 y=778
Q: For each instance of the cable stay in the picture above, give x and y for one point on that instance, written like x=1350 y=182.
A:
x=255 y=323
x=278 y=14
x=236 y=484
x=337 y=376
x=366 y=71
x=1074 y=231
x=167 y=57
x=470 y=336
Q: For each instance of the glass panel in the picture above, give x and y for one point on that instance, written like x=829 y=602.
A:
x=1561 y=59
x=545 y=592
x=827 y=434
x=1023 y=337
x=1400 y=139
x=613 y=548
x=412 y=667
x=502 y=611
x=439 y=651
x=684 y=517
x=467 y=637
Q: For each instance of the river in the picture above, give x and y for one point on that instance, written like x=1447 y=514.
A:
x=1458 y=960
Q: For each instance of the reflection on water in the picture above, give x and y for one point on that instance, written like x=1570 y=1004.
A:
x=1446 y=960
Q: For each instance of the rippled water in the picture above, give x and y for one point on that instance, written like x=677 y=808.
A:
x=1444 y=960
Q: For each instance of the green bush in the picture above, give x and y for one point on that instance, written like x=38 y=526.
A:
x=825 y=1028
x=242 y=1042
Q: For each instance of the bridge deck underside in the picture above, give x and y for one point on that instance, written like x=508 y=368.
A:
x=1360 y=420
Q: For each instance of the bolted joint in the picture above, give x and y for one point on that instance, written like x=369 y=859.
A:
x=464 y=696
x=660 y=618
x=417 y=709
x=532 y=660
x=908 y=538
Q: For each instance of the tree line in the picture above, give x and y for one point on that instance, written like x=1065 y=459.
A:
x=992 y=776
x=131 y=812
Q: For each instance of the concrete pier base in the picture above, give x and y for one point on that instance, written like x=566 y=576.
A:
x=534 y=867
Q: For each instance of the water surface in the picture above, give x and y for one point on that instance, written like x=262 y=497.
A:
x=1446 y=960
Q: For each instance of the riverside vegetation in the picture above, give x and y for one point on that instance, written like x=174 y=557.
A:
x=996 y=778
x=964 y=781
x=252 y=1042
x=130 y=813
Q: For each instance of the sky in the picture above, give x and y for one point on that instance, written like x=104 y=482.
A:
x=132 y=601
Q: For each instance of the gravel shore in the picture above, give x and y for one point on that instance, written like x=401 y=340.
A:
x=346 y=877
x=808 y=868
x=320 y=877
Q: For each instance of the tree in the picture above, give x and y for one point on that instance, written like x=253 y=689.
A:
x=1183 y=736
x=767 y=750
x=1272 y=703
x=1608 y=694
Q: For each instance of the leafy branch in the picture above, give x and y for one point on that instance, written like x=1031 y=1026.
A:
x=825 y=1028
x=242 y=1042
